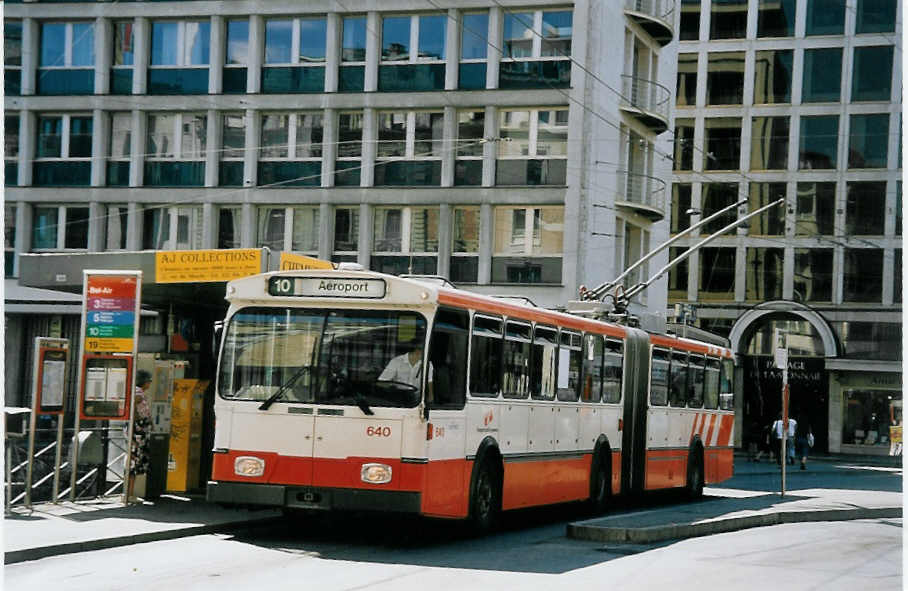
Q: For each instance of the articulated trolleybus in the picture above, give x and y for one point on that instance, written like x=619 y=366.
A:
x=358 y=390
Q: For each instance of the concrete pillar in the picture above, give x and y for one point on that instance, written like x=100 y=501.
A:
x=326 y=231
x=137 y=148
x=332 y=51
x=373 y=51
x=97 y=226
x=217 y=48
x=494 y=55
x=103 y=54
x=28 y=131
x=486 y=237
x=100 y=147
x=365 y=235
x=247 y=236
x=214 y=130
x=449 y=147
x=141 y=55
x=256 y=54
x=490 y=149
x=452 y=51
x=23 y=242
x=370 y=136
x=251 y=153
x=30 y=39
x=209 y=226
x=133 y=226
x=329 y=146
x=445 y=228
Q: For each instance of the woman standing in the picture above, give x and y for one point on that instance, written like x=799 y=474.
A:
x=803 y=439
x=141 y=428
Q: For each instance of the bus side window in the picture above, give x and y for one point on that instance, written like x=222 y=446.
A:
x=516 y=380
x=485 y=357
x=726 y=386
x=448 y=359
x=570 y=360
x=544 y=359
x=695 y=382
x=711 y=388
x=613 y=372
x=592 y=369
x=658 y=394
x=677 y=393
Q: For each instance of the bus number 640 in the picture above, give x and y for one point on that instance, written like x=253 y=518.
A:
x=378 y=431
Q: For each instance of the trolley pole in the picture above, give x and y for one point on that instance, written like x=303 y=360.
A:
x=781 y=361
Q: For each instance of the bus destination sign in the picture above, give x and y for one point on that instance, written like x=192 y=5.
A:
x=326 y=287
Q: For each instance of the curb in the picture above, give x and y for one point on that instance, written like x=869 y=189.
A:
x=678 y=531
x=26 y=554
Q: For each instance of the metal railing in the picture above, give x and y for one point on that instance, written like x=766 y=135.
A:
x=646 y=96
x=644 y=190
x=658 y=9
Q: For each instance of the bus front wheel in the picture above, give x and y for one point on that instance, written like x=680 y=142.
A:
x=485 y=498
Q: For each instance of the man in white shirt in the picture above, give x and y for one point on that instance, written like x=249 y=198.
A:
x=407 y=369
x=789 y=443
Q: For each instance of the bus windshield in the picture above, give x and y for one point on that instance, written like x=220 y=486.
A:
x=344 y=357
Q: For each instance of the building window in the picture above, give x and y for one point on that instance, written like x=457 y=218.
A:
x=465 y=245
x=66 y=58
x=410 y=145
x=818 y=146
x=289 y=228
x=825 y=17
x=63 y=153
x=690 y=20
x=897 y=275
x=236 y=56
x=528 y=245
x=352 y=72
x=716 y=197
x=776 y=18
x=11 y=149
x=677 y=275
x=684 y=144
x=116 y=227
x=230 y=225
x=346 y=234
x=405 y=240
x=875 y=16
x=863 y=275
x=865 y=209
x=717 y=274
x=123 y=57
x=120 y=149
x=474 y=33
x=417 y=42
x=632 y=243
x=179 y=57
x=868 y=145
x=772 y=76
x=723 y=144
x=872 y=74
x=9 y=238
x=681 y=206
x=533 y=150
x=769 y=143
x=233 y=149
x=536 y=49
x=291 y=44
x=822 y=75
x=813 y=274
x=175 y=149
x=686 y=91
x=12 y=57
x=815 y=211
x=59 y=227
x=728 y=20
x=725 y=78
x=470 y=144
x=349 y=149
x=291 y=153
x=171 y=228
x=772 y=221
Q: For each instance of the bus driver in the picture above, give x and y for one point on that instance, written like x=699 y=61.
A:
x=407 y=368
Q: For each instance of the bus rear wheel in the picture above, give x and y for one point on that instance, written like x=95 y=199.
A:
x=485 y=499
x=695 y=474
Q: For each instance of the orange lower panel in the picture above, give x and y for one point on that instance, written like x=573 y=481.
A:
x=543 y=482
x=719 y=465
x=665 y=468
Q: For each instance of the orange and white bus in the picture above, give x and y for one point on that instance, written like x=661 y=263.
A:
x=358 y=390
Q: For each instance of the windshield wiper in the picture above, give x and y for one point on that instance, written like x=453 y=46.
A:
x=280 y=391
x=362 y=404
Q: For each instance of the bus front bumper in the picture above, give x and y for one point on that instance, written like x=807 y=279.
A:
x=304 y=497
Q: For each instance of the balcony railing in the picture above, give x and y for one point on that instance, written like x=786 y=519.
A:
x=655 y=16
x=647 y=100
x=644 y=194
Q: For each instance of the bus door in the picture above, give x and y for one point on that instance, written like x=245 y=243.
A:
x=636 y=401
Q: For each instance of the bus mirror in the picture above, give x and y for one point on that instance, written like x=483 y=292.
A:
x=216 y=338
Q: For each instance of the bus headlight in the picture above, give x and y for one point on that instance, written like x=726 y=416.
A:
x=248 y=466
x=376 y=473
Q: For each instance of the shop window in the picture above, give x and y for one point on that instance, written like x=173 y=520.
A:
x=12 y=57
x=684 y=144
x=346 y=234
x=120 y=149
x=865 y=209
x=470 y=144
x=717 y=274
x=868 y=141
x=822 y=75
x=872 y=418
x=60 y=227
x=763 y=274
x=230 y=225
x=686 y=91
x=171 y=228
x=348 y=164
x=536 y=49
x=863 y=275
x=689 y=29
x=9 y=238
x=776 y=18
x=872 y=74
x=681 y=205
x=818 y=145
x=528 y=244
x=876 y=16
x=289 y=228
x=179 y=57
x=769 y=143
x=723 y=144
x=465 y=245
x=410 y=146
x=772 y=221
x=63 y=151
x=413 y=53
x=772 y=76
x=813 y=274
x=716 y=197
x=474 y=33
x=728 y=19
x=405 y=240
x=533 y=150
x=233 y=149
x=116 y=221
x=66 y=58
x=291 y=154
x=725 y=78
x=352 y=72
x=815 y=211
x=11 y=148
x=825 y=17
x=175 y=150
x=236 y=56
x=123 y=57
x=294 y=55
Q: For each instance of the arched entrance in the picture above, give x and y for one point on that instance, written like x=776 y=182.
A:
x=810 y=341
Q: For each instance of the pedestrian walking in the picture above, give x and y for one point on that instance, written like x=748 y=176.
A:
x=803 y=439
x=777 y=427
x=764 y=443
x=141 y=430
